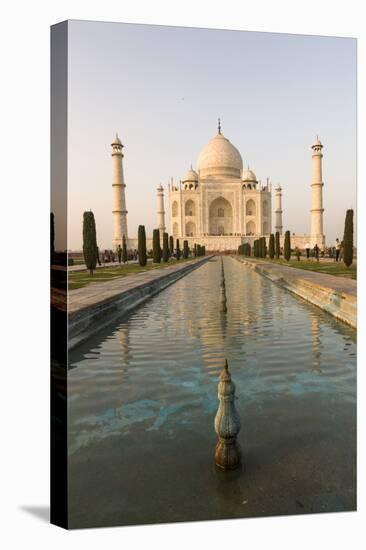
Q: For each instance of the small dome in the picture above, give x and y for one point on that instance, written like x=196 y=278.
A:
x=317 y=143
x=250 y=176
x=220 y=158
x=278 y=187
x=116 y=141
x=191 y=175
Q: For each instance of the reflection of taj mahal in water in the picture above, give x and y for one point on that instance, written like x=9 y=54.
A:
x=221 y=205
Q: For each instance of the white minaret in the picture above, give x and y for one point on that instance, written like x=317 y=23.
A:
x=160 y=211
x=316 y=231
x=278 y=209
x=119 y=200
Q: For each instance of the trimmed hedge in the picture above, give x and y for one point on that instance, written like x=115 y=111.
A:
x=156 y=246
x=141 y=246
x=287 y=246
x=166 y=253
x=348 y=239
x=90 y=241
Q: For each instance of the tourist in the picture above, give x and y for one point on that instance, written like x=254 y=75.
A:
x=307 y=248
x=316 y=252
x=119 y=253
x=337 y=249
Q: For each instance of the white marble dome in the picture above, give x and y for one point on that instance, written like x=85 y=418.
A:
x=191 y=175
x=249 y=176
x=219 y=158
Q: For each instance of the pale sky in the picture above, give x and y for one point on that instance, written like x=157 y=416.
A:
x=163 y=88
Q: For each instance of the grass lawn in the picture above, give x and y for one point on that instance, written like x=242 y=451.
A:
x=330 y=268
x=79 y=279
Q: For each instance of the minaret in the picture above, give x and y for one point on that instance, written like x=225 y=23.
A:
x=278 y=209
x=160 y=211
x=119 y=200
x=316 y=232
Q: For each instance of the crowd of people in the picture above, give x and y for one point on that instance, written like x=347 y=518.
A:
x=111 y=256
x=333 y=252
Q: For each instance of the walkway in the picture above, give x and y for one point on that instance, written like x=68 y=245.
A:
x=336 y=295
x=99 y=292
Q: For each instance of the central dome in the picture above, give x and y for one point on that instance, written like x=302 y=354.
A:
x=219 y=158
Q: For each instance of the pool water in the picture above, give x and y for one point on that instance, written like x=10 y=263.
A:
x=142 y=397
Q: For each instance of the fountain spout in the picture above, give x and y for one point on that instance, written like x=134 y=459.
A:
x=227 y=424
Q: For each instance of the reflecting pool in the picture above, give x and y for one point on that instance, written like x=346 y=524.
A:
x=143 y=396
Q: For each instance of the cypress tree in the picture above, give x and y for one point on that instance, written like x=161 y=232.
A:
x=165 y=247
x=185 y=249
x=249 y=249
x=260 y=248
x=171 y=245
x=178 y=250
x=89 y=241
x=348 y=239
x=194 y=250
x=277 y=245
x=255 y=245
x=124 y=250
x=142 y=245
x=287 y=246
x=271 y=246
x=264 y=249
x=156 y=246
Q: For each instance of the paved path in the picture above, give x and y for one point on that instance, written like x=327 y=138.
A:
x=339 y=284
x=336 y=295
x=98 y=292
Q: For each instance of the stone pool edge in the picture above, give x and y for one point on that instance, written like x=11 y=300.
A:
x=341 y=305
x=88 y=321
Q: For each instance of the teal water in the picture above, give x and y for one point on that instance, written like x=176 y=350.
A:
x=143 y=395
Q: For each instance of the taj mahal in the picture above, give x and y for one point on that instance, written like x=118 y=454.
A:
x=220 y=204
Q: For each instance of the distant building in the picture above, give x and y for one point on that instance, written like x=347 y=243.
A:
x=221 y=202
x=221 y=205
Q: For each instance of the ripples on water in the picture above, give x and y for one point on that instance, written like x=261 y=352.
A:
x=162 y=362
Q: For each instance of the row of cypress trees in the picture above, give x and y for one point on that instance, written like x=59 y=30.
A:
x=199 y=250
x=168 y=247
x=244 y=249
x=90 y=247
x=260 y=249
